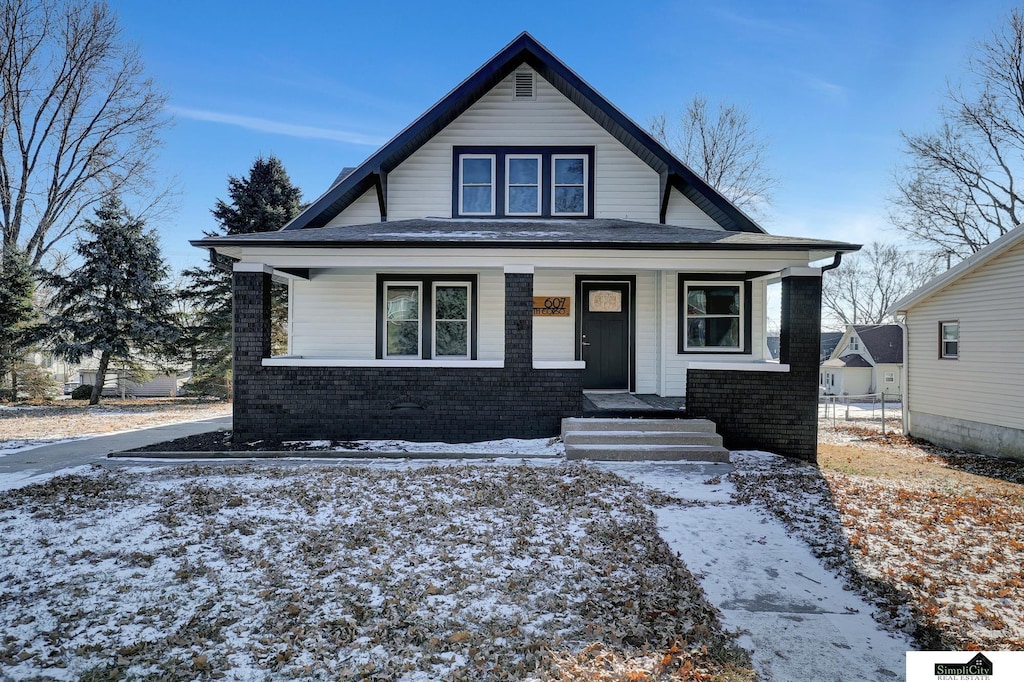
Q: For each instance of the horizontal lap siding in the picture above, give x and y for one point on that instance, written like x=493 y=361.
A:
x=683 y=212
x=334 y=315
x=362 y=211
x=646 y=333
x=984 y=384
x=624 y=186
x=554 y=338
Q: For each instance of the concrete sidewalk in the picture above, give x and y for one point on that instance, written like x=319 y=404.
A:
x=50 y=458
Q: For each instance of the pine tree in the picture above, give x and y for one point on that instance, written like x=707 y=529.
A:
x=18 y=329
x=262 y=201
x=118 y=301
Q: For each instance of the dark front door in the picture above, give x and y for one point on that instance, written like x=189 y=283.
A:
x=604 y=334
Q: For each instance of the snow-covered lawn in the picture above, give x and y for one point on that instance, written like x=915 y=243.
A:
x=934 y=537
x=358 y=572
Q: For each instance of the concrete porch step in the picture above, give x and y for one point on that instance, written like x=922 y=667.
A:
x=622 y=424
x=642 y=438
x=629 y=453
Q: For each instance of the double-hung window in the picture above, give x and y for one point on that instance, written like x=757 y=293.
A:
x=949 y=340
x=714 y=315
x=569 y=185
x=514 y=182
x=476 y=184
x=426 y=316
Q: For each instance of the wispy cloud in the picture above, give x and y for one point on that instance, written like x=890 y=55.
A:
x=276 y=127
x=832 y=91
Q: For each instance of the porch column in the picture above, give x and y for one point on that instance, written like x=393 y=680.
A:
x=251 y=343
x=800 y=348
x=519 y=319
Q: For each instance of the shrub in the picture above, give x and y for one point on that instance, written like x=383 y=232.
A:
x=83 y=392
x=35 y=383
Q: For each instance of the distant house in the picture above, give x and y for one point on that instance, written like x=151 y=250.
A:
x=159 y=382
x=519 y=243
x=829 y=340
x=867 y=359
x=965 y=358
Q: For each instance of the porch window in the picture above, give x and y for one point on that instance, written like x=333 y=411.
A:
x=402 y=315
x=476 y=184
x=426 y=316
x=569 y=184
x=451 y=320
x=949 y=340
x=890 y=377
x=714 y=315
x=522 y=193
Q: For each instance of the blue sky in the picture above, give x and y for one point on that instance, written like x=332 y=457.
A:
x=322 y=84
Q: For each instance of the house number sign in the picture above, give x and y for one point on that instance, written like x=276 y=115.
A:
x=551 y=306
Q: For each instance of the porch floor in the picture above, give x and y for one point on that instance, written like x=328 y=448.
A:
x=635 y=405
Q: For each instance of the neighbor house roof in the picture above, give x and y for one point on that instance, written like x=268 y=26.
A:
x=851 y=360
x=961 y=269
x=829 y=341
x=602 y=233
x=373 y=172
x=883 y=341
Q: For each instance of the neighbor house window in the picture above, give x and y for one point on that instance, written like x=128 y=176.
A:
x=569 y=185
x=890 y=377
x=854 y=343
x=513 y=182
x=714 y=316
x=476 y=184
x=426 y=316
x=402 y=320
x=949 y=340
x=522 y=193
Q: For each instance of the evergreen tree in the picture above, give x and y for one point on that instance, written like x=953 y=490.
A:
x=262 y=201
x=18 y=330
x=118 y=301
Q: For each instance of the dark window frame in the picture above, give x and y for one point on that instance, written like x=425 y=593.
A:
x=746 y=314
x=501 y=185
x=942 y=341
x=426 y=282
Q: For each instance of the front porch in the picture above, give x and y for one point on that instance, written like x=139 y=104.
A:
x=600 y=404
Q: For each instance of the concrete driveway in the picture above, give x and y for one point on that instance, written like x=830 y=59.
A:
x=47 y=459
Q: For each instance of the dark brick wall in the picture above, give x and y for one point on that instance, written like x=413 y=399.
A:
x=772 y=411
x=408 y=403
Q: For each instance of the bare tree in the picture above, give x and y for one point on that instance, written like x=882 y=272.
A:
x=80 y=120
x=868 y=282
x=722 y=146
x=958 y=189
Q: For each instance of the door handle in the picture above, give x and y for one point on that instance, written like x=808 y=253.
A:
x=584 y=343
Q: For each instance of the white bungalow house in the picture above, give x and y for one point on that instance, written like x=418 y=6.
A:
x=867 y=360
x=521 y=242
x=965 y=361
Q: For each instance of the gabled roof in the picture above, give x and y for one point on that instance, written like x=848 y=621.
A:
x=524 y=49
x=884 y=342
x=601 y=233
x=851 y=360
x=961 y=269
x=829 y=341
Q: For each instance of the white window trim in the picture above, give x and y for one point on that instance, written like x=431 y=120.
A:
x=508 y=183
x=462 y=159
x=586 y=182
x=469 y=320
x=419 y=318
x=942 y=339
x=686 y=318
x=854 y=343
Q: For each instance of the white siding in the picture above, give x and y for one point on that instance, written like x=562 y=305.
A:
x=984 y=384
x=675 y=364
x=624 y=186
x=554 y=338
x=362 y=211
x=334 y=314
x=683 y=212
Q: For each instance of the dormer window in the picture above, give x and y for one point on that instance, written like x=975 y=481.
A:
x=523 y=182
x=854 y=343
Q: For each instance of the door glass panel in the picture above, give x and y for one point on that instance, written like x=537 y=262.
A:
x=605 y=301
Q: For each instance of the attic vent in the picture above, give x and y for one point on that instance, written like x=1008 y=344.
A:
x=523 y=85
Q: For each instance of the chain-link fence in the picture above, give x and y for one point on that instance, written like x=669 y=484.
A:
x=874 y=408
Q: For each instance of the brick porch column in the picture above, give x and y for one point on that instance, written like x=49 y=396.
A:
x=251 y=343
x=800 y=348
x=518 y=319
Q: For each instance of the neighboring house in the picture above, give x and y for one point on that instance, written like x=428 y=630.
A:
x=868 y=359
x=829 y=341
x=161 y=381
x=965 y=359
x=519 y=243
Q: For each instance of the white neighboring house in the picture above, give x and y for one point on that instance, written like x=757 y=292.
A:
x=868 y=359
x=162 y=382
x=965 y=360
